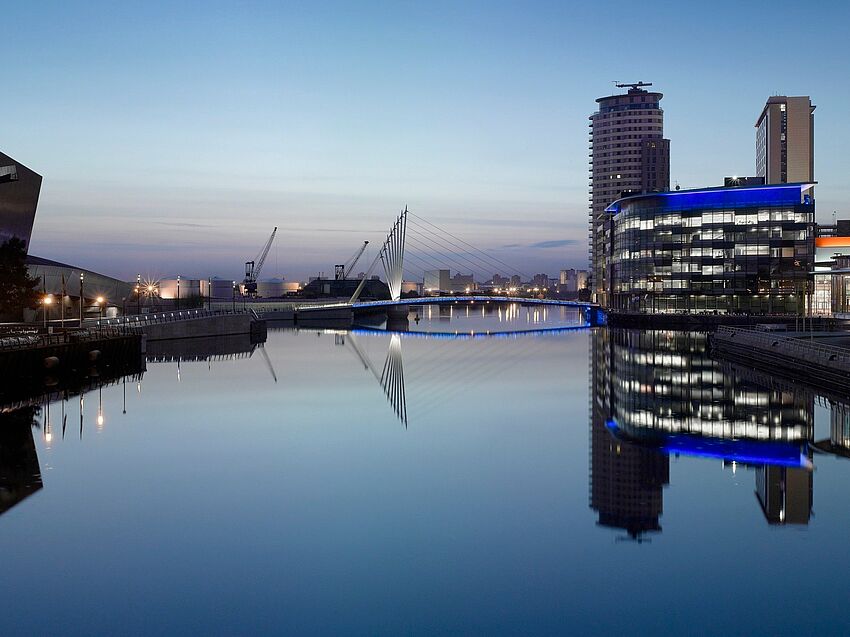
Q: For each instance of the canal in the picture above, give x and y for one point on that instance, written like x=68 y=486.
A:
x=539 y=479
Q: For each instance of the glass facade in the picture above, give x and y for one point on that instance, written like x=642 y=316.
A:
x=714 y=250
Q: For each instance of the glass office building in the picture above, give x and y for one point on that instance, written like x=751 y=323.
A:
x=742 y=249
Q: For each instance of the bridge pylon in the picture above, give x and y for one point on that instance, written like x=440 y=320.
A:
x=391 y=255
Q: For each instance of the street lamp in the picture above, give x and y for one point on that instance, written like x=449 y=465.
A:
x=178 y=291
x=233 y=298
x=99 y=300
x=45 y=303
x=82 y=275
x=139 y=292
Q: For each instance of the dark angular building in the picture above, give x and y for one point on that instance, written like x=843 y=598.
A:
x=20 y=474
x=19 y=190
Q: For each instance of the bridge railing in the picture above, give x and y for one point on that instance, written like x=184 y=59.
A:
x=435 y=300
x=170 y=316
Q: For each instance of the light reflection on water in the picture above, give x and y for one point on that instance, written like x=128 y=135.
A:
x=356 y=481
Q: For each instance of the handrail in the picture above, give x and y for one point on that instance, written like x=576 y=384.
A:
x=795 y=342
x=170 y=316
x=436 y=300
x=43 y=340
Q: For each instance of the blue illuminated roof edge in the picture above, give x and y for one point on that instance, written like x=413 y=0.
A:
x=713 y=190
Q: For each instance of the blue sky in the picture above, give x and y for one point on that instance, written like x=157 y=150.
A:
x=173 y=136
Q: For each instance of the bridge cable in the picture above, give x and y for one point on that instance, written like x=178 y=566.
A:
x=507 y=265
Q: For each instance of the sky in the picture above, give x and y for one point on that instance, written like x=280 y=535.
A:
x=172 y=136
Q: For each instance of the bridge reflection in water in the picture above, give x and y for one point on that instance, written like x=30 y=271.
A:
x=656 y=394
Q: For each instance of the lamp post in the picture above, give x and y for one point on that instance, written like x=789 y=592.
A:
x=178 y=291
x=233 y=298
x=82 y=276
x=99 y=300
x=45 y=305
x=139 y=293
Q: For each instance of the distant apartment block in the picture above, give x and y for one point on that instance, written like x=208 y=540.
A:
x=582 y=279
x=573 y=280
x=437 y=280
x=785 y=140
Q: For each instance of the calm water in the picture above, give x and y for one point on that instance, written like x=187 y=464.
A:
x=571 y=482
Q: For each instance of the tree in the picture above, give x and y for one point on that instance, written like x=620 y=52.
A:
x=18 y=290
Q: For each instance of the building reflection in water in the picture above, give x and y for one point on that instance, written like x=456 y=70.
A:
x=657 y=393
x=20 y=473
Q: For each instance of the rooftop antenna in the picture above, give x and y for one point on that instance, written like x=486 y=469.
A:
x=635 y=85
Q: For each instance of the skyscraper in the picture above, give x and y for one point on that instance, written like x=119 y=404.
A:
x=628 y=154
x=785 y=140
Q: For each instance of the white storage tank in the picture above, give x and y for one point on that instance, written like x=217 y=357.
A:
x=222 y=288
x=188 y=288
x=271 y=288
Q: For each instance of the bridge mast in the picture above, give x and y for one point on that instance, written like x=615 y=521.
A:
x=391 y=255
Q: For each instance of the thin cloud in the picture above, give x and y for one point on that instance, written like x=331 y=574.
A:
x=542 y=245
x=559 y=243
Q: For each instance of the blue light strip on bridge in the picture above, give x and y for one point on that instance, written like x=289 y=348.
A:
x=465 y=336
x=447 y=300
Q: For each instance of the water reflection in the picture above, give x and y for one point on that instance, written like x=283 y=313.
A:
x=657 y=394
x=49 y=412
x=484 y=317
x=20 y=473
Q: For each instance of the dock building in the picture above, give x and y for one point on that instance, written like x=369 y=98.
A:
x=739 y=249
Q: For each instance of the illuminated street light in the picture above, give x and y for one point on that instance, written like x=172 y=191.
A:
x=45 y=304
x=99 y=302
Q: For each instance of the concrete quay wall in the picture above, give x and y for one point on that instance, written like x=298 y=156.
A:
x=793 y=355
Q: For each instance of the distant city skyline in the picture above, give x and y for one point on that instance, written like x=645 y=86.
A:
x=171 y=140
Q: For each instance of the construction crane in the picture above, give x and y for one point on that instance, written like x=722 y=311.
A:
x=341 y=271
x=253 y=268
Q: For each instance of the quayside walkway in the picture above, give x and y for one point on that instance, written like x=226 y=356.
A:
x=794 y=353
x=194 y=323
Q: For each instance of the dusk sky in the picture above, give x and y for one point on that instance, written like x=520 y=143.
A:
x=172 y=137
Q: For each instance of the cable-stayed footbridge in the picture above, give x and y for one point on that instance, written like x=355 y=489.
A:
x=414 y=247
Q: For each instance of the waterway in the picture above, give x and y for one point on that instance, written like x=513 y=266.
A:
x=560 y=481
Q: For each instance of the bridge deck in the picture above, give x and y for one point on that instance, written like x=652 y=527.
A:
x=437 y=300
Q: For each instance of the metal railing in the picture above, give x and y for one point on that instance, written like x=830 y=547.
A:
x=455 y=298
x=800 y=345
x=31 y=341
x=156 y=318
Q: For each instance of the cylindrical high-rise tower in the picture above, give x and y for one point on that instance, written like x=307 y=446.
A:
x=628 y=154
